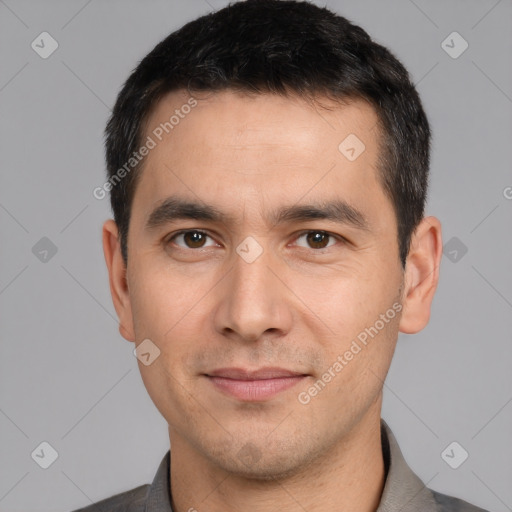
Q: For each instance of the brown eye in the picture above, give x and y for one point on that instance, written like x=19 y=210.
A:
x=192 y=239
x=316 y=239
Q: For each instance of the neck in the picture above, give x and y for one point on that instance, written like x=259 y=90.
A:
x=350 y=476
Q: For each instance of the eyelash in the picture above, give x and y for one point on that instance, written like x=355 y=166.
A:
x=299 y=235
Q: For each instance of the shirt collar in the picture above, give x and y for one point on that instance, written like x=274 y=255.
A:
x=403 y=490
x=159 y=494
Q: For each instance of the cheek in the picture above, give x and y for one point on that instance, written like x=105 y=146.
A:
x=160 y=302
x=356 y=319
x=172 y=313
x=166 y=389
x=346 y=301
x=355 y=369
x=164 y=312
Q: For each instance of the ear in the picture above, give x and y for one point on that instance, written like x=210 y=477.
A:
x=117 y=279
x=421 y=275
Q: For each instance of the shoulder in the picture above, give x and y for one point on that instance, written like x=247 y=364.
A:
x=447 y=503
x=129 y=501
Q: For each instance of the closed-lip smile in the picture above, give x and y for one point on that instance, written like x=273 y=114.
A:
x=254 y=385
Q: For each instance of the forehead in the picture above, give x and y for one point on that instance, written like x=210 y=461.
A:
x=228 y=148
x=242 y=120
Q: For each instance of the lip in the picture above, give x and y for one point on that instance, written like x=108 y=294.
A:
x=254 y=385
x=268 y=372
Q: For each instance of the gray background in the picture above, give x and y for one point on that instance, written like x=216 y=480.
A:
x=66 y=375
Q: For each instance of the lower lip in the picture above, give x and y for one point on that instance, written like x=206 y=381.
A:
x=254 y=390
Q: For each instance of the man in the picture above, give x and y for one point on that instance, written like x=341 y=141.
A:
x=268 y=169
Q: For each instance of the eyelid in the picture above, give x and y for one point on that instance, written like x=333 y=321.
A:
x=328 y=233
x=172 y=236
x=296 y=236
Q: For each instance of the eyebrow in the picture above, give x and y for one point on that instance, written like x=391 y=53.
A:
x=175 y=208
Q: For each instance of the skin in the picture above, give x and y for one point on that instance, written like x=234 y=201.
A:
x=297 y=306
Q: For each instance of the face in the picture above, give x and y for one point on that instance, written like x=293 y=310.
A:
x=292 y=263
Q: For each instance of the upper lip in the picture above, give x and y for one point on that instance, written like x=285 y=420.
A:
x=259 y=374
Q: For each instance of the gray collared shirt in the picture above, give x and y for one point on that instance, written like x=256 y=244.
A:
x=403 y=490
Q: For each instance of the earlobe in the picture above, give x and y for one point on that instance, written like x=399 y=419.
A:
x=421 y=275
x=117 y=279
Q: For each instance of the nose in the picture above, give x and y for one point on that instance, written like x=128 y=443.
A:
x=253 y=301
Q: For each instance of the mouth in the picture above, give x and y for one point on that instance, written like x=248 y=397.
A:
x=254 y=385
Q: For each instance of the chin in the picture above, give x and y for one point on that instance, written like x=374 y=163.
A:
x=251 y=463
